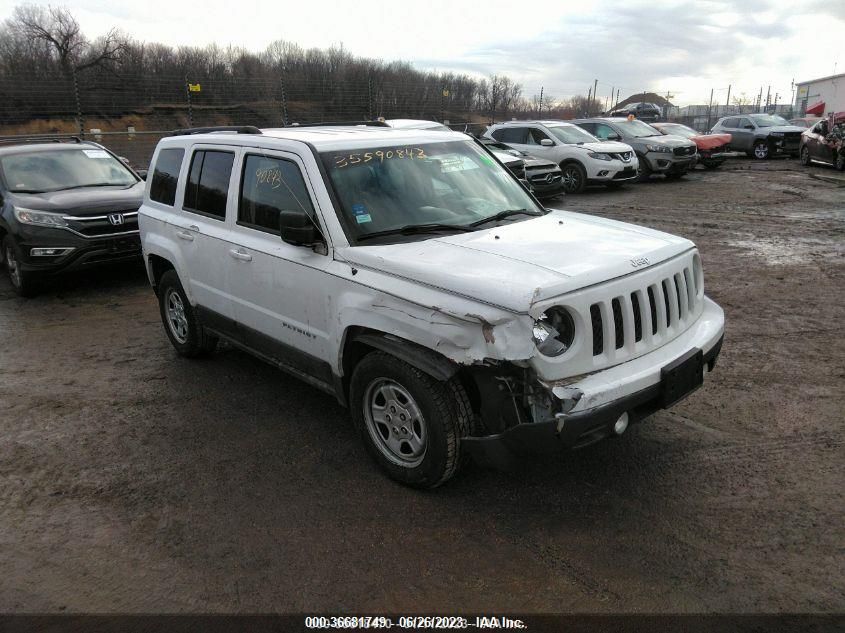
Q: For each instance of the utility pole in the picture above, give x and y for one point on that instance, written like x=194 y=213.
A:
x=190 y=108
x=595 y=89
x=728 y=100
x=768 y=97
x=709 y=108
x=589 y=100
x=618 y=90
x=540 y=109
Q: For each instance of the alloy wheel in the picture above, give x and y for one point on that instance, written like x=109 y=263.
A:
x=761 y=151
x=571 y=179
x=395 y=422
x=176 y=319
x=13 y=267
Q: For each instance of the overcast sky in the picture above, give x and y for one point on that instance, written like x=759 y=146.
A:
x=683 y=48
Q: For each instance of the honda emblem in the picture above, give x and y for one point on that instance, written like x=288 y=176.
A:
x=116 y=219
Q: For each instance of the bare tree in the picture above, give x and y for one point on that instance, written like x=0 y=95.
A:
x=60 y=32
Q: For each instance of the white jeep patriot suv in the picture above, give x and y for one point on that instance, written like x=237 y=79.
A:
x=414 y=278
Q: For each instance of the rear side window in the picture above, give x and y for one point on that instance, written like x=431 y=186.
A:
x=208 y=183
x=268 y=187
x=166 y=176
x=732 y=123
x=511 y=135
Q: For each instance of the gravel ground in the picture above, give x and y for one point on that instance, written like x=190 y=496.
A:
x=135 y=481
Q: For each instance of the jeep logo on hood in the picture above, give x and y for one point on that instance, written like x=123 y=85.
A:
x=639 y=261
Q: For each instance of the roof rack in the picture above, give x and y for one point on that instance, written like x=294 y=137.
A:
x=40 y=138
x=238 y=129
x=341 y=124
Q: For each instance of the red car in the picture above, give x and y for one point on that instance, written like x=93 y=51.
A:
x=712 y=148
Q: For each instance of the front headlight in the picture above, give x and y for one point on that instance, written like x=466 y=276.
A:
x=659 y=148
x=554 y=331
x=599 y=156
x=39 y=218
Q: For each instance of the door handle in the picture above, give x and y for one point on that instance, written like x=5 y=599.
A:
x=241 y=255
x=185 y=235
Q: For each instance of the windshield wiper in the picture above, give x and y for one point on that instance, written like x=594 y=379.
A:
x=28 y=190
x=501 y=215
x=96 y=184
x=417 y=229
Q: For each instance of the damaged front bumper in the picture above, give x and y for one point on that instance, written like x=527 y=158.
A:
x=594 y=404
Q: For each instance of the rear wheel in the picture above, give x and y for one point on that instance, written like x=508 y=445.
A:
x=805 y=156
x=411 y=423
x=574 y=178
x=188 y=336
x=25 y=283
x=761 y=150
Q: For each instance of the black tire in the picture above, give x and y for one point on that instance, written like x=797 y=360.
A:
x=805 y=156
x=25 y=283
x=192 y=341
x=574 y=177
x=445 y=412
x=675 y=175
x=761 y=150
x=645 y=170
x=839 y=162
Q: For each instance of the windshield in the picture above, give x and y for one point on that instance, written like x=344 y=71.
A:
x=769 y=120
x=678 y=130
x=43 y=171
x=636 y=128
x=571 y=134
x=447 y=184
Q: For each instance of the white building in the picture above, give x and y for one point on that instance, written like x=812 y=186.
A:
x=829 y=91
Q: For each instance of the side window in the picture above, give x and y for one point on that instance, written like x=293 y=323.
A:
x=590 y=127
x=512 y=135
x=166 y=175
x=745 y=122
x=603 y=131
x=208 y=183
x=536 y=135
x=731 y=123
x=268 y=187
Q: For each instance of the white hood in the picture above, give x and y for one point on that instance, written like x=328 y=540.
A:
x=516 y=265
x=608 y=147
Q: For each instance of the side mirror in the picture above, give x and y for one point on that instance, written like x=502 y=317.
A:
x=748 y=127
x=142 y=173
x=613 y=137
x=546 y=142
x=298 y=228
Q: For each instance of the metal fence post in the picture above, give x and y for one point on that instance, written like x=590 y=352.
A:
x=190 y=107
x=80 y=121
x=284 y=100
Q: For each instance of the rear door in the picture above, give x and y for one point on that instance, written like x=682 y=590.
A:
x=200 y=226
x=743 y=135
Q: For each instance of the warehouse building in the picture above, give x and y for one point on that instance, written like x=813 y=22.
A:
x=820 y=96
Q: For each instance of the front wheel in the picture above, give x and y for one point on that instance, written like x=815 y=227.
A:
x=805 y=156
x=411 y=423
x=574 y=178
x=187 y=336
x=761 y=150
x=23 y=282
x=644 y=170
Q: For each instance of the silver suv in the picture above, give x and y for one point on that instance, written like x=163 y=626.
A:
x=582 y=158
x=760 y=135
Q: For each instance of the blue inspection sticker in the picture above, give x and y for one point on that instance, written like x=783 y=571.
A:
x=361 y=215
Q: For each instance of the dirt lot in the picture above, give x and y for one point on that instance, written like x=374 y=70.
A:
x=135 y=481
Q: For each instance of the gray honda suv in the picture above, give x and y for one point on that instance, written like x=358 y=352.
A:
x=669 y=155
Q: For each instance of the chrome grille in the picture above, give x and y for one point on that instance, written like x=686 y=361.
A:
x=102 y=226
x=684 y=151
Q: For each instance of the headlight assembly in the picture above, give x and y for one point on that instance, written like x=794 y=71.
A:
x=599 y=156
x=554 y=331
x=659 y=148
x=39 y=218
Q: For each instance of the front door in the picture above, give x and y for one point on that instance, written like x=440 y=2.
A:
x=282 y=293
